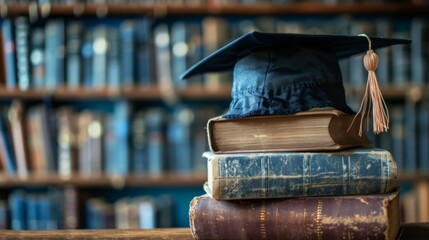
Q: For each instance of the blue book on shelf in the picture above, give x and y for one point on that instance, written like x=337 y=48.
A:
x=179 y=51
x=121 y=132
x=417 y=54
x=74 y=34
x=54 y=48
x=139 y=152
x=297 y=174
x=144 y=47
x=6 y=150
x=99 y=59
x=410 y=160
x=397 y=132
x=109 y=142
x=32 y=203
x=44 y=210
x=127 y=51
x=180 y=140
x=113 y=64
x=22 y=32
x=9 y=53
x=423 y=137
x=3 y=214
x=53 y=205
x=195 y=52
x=37 y=57
x=17 y=208
x=155 y=122
x=401 y=54
x=87 y=55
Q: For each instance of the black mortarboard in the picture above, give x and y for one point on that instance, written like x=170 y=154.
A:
x=281 y=73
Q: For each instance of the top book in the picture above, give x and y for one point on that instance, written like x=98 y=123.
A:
x=322 y=130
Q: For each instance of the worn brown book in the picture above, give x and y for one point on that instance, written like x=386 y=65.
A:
x=333 y=217
x=305 y=131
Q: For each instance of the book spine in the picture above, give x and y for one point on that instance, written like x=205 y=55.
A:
x=180 y=140
x=17 y=124
x=71 y=207
x=410 y=158
x=99 y=72
x=417 y=51
x=155 y=123
x=139 y=143
x=6 y=149
x=401 y=67
x=360 y=217
x=74 y=34
x=54 y=47
x=9 y=53
x=121 y=131
x=17 y=210
x=87 y=55
x=144 y=45
x=127 y=32
x=245 y=176
x=179 y=52
x=113 y=63
x=22 y=29
x=65 y=137
x=423 y=139
x=37 y=57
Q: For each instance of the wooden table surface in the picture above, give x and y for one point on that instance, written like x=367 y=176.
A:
x=149 y=234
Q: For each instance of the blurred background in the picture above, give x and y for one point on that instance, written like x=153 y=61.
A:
x=97 y=130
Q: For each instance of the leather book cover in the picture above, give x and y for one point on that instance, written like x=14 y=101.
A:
x=294 y=174
x=332 y=217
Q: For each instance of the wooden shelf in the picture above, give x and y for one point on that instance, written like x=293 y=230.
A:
x=413 y=177
x=131 y=93
x=195 y=92
x=148 y=234
x=160 y=10
x=149 y=180
x=156 y=180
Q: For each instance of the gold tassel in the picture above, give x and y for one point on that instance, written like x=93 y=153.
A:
x=373 y=97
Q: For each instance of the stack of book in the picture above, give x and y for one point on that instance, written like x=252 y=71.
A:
x=301 y=176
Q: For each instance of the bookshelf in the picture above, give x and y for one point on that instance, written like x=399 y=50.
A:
x=200 y=95
x=160 y=180
x=141 y=93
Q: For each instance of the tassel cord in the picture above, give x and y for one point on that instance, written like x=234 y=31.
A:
x=373 y=99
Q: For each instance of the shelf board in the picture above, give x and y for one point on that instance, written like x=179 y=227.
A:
x=148 y=180
x=306 y=8
x=413 y=176
x=131 y=93
x=192 y=92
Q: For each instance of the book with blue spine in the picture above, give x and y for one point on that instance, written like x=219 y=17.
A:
x=37 y=57
x=121 y=131
x=139 y=143
x=144 y=48
x=299 y=174
x=17 y=208
x=127 y=45
x=54 y=53
x=22 y=31
x=7 y=155
x=180 y=140
x=9 y=53
x=74 y=38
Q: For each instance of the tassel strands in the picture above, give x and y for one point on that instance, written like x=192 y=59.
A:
x=373 y=97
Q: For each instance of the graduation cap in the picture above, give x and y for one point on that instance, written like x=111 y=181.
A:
x=283 y=73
